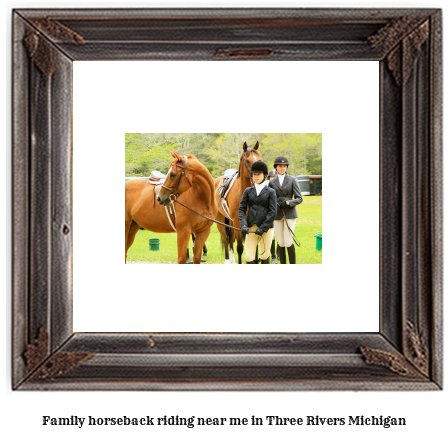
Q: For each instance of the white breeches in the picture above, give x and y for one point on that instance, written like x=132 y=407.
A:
x=282 y=232
x=252 y=240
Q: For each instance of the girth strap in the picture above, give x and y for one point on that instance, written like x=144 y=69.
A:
x=171 y=214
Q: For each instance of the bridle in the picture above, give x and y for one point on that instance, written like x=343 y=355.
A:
x=173 y=190
x=247 y=168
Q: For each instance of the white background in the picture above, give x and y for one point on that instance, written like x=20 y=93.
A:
x=22 y=411
x=340 y=295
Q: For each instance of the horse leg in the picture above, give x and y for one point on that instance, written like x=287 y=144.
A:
x=198 y=245
x=183 y=239
x=226 y=252
x=225 y=242
x=231 y=242
x=189 y=262
x=127 y=226
x=131 y=232
x=239 y=248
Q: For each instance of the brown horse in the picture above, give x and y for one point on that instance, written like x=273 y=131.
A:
x=243 y=181
x=194 y=187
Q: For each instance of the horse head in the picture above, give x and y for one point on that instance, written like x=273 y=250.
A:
x=248 y=157
x=178 y=180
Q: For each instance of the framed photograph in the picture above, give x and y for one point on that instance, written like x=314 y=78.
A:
x=207 y=196
x=240 y=334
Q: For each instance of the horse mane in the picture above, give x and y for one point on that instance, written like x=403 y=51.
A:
x=206 y=181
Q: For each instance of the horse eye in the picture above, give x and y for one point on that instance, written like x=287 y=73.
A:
x=173 y=175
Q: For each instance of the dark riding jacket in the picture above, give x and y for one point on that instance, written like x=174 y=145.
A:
x=262 y=208
x=290 y=189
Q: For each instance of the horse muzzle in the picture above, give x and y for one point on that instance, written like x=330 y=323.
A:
x=163 y=200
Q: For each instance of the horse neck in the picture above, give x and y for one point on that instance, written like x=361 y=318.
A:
x=206 y=185
x=244 y=178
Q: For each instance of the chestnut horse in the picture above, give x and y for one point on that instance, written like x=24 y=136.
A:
x=194 y=187
x=243 y=181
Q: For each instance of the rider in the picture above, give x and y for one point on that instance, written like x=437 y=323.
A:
x=272 y=174
x=261 y=200
x=286 y=188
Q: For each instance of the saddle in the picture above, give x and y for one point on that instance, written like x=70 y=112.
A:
x=230 y=175
x=156 y=178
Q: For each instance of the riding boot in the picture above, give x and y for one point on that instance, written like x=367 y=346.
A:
x=292 y=254
x=253 y=262
x=274 y=260
x=282 y=255
x=266 y=262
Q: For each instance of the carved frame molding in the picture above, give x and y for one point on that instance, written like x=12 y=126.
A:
x=406 y=354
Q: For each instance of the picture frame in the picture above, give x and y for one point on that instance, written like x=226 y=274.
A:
x=406 y=353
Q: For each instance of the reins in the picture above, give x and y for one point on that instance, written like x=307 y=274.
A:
x=174 y=194
x=294 y=238
x=206 y=217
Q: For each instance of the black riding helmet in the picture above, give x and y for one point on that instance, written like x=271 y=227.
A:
x=280 y=160
x=259 y=167
x=272 y=172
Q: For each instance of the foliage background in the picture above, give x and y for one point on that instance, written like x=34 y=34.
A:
x=218 y=152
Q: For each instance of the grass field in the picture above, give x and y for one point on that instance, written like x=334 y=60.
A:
x=308 y=224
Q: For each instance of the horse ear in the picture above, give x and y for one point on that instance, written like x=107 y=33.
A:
x=256 y=145
x=175 y=156
x=245 y=147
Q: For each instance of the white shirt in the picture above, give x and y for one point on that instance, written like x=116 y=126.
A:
x=260 y=187
x=281 y=178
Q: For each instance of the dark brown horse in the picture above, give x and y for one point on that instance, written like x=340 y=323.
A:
x=243 y=181
x=193 y=185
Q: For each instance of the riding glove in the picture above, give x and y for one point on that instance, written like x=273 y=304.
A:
x=281 y=202
x=259 y=232
x=244 y=230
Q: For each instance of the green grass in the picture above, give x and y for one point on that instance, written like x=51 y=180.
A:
x=308 y=224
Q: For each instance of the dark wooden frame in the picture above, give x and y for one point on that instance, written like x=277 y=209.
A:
x=406 y=354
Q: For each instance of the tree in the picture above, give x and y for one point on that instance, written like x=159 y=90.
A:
x=145 y=152
x=226 y=151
